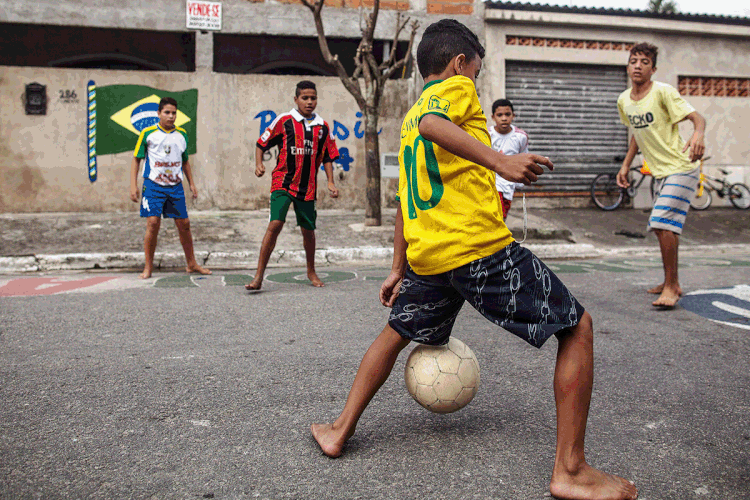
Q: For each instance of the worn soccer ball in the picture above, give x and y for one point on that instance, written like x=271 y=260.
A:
x=443 y=379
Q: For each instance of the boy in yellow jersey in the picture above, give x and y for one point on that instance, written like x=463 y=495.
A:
x=448 y=249
x=653 y=110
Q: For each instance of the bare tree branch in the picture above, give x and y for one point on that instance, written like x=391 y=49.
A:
x=351 y=84
x=395 y=66
x=375 y=77
x=387 y=62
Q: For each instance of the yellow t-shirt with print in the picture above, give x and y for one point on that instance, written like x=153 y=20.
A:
x=452 y=212
x=654 y=122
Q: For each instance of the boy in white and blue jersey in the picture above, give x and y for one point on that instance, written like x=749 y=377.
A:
x=164 y=147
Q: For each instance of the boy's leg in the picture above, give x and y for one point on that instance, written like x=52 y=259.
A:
x=266 y=249
x=308 y=241
x=669 y=291
x=572 y=477
x=279 y=206
x=374 y=370
x=306 y=219
x=517 y=291
x=149 y=244
x=176 y=208
x=186 y=239
x=667 y=220
x=153 y=199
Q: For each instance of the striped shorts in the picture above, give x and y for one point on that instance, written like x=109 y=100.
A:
x=674 y=194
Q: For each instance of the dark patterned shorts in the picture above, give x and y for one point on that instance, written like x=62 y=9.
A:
x=512 y=288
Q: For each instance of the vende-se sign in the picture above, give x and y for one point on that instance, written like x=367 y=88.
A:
x=203 y=15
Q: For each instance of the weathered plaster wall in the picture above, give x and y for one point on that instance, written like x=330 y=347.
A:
x=43 y=158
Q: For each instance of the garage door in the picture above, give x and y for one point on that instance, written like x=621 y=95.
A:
x=570 y=114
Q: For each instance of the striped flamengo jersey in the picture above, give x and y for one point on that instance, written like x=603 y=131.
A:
x=304 y=144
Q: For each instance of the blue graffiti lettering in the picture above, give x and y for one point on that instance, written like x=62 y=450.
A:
x=340 y=131
x=344 y=159
x=266 y=118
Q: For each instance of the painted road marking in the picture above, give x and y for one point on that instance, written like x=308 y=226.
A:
x=183 y=281
x=48 y=286
x=727 y=306
x=236 y=279
x=295 y=277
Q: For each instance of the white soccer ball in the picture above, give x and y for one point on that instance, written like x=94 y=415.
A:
x=443 y=379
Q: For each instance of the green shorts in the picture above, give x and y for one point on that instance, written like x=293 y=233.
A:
x=305 y=210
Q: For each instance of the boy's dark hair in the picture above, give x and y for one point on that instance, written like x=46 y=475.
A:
x=304 y=85
x=648 y=50
x=167 y=100
x=441 y=42
x=502 y=102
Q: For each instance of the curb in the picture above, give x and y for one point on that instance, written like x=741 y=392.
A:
x=295 y=258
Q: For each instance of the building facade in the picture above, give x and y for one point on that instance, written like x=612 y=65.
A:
x=565 y=67
x=562 y=67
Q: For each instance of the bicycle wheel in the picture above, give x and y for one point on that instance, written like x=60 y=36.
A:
x=635 y=178
x=703 y=201
x=605 y=192
x=739 y=195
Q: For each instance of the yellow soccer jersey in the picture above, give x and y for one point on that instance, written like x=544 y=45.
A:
x=654 y=122
x=451 y=210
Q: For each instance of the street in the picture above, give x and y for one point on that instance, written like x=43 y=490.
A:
x=191 y=387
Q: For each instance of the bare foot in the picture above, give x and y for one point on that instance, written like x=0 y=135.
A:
x=146 y=274
x=657 y=289
x=255 y=284
x=331 y=442
x=591 y=484
x=314 y=279
x=197 y=269
x=660 y=288
x=668 y=299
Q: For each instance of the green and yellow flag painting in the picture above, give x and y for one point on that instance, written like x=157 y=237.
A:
x=122 y=111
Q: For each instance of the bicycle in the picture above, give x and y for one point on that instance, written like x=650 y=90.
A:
x=607 y=195
x=738 y=193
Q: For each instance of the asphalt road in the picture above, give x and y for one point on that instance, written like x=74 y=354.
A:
x=123 y=389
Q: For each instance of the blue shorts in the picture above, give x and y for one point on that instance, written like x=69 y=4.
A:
x=512 y=288
x=158 y=200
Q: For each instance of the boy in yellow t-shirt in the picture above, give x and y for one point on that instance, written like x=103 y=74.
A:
x=653 y=110
x=448 y=249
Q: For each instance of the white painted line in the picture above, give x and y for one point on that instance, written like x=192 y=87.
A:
x=731 y=309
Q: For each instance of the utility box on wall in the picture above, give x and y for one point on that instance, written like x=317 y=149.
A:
x=35 y=99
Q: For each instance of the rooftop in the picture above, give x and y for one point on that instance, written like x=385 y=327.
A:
x=699 y=18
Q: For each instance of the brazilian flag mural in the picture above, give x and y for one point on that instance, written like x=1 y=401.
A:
x=124 y=110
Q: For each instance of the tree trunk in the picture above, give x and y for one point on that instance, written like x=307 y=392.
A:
x=372 y=163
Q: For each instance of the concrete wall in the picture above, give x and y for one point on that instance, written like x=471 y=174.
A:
x=685 y=49
x=43 y=158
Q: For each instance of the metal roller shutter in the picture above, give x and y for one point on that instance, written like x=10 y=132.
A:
x=570 y=114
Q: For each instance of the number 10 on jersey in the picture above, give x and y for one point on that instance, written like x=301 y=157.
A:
x=415 y=200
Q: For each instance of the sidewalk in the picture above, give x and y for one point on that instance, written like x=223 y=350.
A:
x=231 y=239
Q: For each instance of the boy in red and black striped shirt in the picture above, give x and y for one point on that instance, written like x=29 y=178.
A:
x=304 y=141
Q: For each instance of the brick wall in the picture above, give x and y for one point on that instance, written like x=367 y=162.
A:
x=451 y=7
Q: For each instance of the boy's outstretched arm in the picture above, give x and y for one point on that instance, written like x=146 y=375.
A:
x=524 y=168
x=390 y=288
x=696 y=145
